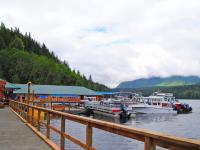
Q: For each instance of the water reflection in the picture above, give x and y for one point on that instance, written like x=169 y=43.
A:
x=148 y=118
x=139 y=118
x=110 y=119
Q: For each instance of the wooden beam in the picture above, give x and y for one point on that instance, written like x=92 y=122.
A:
x=177 y=147
x=74 y=140
x=28 y=118
x=54 y=129
x=38 y=127
x=88 y=137
x=119 y=131
x=62 y=137
x=32 y=117
x=47 y=126
x=149 y=144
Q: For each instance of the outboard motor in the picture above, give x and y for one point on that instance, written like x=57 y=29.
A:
x=124 y=113
x=183 y=108
x=187 y=107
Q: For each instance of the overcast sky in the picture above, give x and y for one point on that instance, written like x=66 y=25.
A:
x=114 y=40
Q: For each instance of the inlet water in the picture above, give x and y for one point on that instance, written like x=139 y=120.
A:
x=182 y=125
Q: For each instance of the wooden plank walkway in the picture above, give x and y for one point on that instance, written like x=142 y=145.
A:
x=15 y=135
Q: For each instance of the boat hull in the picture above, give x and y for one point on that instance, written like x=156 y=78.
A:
x=152 y=110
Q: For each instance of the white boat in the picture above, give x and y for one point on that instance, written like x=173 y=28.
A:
x=109 y=108
x=151 y=109
x=158 y=103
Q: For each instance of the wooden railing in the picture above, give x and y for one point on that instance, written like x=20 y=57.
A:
x=151 y=139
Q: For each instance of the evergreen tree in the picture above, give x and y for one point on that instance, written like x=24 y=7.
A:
x=90 y=78
x=2 y=43
x=17 y=43
x=15 y=79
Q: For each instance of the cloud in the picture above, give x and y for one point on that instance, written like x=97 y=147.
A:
x=114 y=40
x=102 y=29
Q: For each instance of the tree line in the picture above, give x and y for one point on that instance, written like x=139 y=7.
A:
x=180 y=92
x=23 y=59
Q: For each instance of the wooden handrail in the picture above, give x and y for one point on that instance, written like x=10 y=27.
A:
x=151 y=139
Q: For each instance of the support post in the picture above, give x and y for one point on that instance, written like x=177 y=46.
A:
x=23 y=109
x=28 y=115
x=47 y=126
x=32 y=116
x=62 y=138
x=149 y=144
x=88 y=137
x=19 y=108
x=29 y=90
x=38 y=127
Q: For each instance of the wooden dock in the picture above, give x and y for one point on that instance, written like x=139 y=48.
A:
x=151 y=139
x=15 y=135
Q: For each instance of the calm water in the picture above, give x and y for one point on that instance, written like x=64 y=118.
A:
x=183 y=125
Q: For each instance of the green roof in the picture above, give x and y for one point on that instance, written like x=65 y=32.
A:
x=11 y=86
x=54 y=89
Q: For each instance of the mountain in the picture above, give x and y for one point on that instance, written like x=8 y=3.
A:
x=23 y=59
x=160 y=82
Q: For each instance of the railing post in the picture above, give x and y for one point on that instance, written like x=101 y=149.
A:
x=17 y=107
x=20 y=108
x=18 y=111
x=38 y=127
x=32 y=116
x=62 y=138
x=24 y=111
x=28 y=116
x=88 y=137
x=149 y=144
x=47 y=126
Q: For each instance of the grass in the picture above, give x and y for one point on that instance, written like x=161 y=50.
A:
x=175 y=83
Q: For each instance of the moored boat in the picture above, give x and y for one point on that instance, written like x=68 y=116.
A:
x=108 y=108
x=155 y=104
x=159 y=103
x=121 y=106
